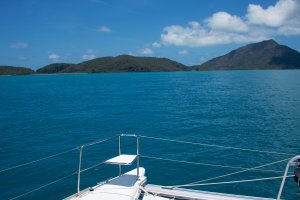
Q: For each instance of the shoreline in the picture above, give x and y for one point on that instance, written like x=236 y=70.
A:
x=44 y=74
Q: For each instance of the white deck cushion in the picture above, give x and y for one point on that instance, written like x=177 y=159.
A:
x=123 y=159
x=124 y=187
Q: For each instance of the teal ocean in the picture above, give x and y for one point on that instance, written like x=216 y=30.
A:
x=42 y=115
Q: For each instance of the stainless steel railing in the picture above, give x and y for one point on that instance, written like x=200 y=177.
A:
x=292 y=162
x=120 y=152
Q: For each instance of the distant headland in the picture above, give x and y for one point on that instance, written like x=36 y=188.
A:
x=267 y=54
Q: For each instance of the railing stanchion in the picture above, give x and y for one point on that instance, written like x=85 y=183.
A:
x=120 y=152
x=285 y=175
x=79 y=169
x=138 y=156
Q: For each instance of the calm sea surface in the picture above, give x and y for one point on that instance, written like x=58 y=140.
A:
x=45 y=114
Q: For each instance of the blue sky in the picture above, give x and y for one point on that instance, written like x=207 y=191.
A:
x=39 y=32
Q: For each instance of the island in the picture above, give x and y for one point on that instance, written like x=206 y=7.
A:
x=263 y=55
x=10 y=70
x=123 y=63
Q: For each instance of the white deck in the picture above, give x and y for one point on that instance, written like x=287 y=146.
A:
x=124 y=187
x=193 y=194
x=123 y=159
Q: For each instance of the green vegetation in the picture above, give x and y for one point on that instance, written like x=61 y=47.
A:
x=9 y=70
x=55 y=68
x=263 y=55
x=124 y=63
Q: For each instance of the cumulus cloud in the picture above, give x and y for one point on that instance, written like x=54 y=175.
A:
x=183 y=52
x=146 y=51
x=274 y=16
x=195 y=35
x=88 y=57
x=257 y=24
x=289 y=30
x=104 y=29
x=156 y=45
x=284 y=16
x=54 y=57
x=225 y=22
x=19 y=45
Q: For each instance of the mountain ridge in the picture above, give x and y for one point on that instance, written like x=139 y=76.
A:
x=11 y=70
x=267 y=54
x=122 y=63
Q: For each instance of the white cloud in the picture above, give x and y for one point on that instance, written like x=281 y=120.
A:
x=289 y=30
x=194 y=35
x=183 y=52
x=104 y=29
x=88 y=57
x=226 y=22
x=19 y=45
x=223 y=28
x=274 y=16
x=54 y=57
x=156 y=45
x=284 y=17
x=146 y=51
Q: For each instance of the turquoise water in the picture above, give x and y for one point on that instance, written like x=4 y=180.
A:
x=45 y=114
